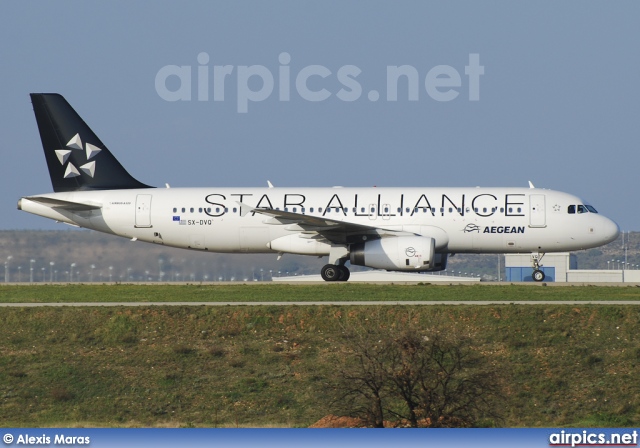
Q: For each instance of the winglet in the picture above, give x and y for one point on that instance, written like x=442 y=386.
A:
x=531 y=185
x=269 y=184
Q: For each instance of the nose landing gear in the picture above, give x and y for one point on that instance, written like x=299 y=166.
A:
x=538 y=274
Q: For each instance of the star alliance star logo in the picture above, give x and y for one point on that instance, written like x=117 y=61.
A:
x=75 y=143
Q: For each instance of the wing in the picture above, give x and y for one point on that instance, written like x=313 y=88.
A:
x=333 y=230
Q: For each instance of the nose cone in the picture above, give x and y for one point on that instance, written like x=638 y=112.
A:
x=610 y=230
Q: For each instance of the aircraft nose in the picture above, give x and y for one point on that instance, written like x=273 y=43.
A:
x=610 y=230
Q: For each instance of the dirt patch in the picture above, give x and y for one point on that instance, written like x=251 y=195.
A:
x=334 y=421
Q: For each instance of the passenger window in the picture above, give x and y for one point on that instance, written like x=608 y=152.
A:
x=184 y=210
x=175 y=210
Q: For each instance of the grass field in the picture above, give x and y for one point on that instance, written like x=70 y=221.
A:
x=560 y=365
x=258 y=292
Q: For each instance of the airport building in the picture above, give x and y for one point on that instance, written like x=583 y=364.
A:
x=563 y=267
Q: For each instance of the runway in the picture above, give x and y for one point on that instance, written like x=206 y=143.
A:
x=331 y=303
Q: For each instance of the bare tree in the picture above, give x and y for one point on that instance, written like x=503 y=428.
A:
x=417 y=376
x=361 y=382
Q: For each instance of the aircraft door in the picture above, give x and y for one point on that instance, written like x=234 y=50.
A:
x=537 y=211
x=143 y=210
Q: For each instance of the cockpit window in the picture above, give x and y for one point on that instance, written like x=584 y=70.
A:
x=581 y=209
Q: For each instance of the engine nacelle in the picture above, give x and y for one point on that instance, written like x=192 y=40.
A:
x=402 y=253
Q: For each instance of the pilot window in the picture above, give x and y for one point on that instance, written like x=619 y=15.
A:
x=580 y=208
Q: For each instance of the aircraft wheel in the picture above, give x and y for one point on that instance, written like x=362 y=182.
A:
x=538 y=275
x=330 y=272
x=344 y=274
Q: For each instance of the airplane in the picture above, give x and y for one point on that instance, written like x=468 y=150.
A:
x=395 y=229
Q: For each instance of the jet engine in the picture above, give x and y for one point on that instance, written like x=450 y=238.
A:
x=402 y=253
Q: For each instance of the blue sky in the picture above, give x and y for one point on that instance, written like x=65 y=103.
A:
x=558 y=102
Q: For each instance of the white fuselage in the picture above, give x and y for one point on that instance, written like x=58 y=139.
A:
x=461 y=220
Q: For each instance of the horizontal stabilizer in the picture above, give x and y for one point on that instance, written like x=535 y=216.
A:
x=66 y=205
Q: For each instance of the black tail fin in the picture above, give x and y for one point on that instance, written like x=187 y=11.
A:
x=76 y=157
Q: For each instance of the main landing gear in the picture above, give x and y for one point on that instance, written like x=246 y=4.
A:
x=335 y=273
x=538 y=274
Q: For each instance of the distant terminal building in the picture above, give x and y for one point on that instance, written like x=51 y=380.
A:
x=563 y=267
